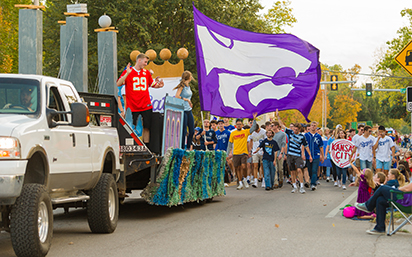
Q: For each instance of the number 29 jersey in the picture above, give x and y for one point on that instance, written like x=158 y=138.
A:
x=137 y=90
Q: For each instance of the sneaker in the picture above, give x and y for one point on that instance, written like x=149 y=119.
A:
x=336 y=184
x=375 y=232
x=267 y=188
x=307 y=185
x=263 y=183
x=344 y=187
x=240 y=186
x=313 y=188
x=318 y=182
x=280 y=184
x=327 y=179
x=294 y=190
x=255 y=183
x=361 y=207
x=302 y=190
x=245 y=183
x=226 y=184
x=289 y=181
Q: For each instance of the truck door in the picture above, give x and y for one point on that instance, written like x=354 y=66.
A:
x=81 y=144
x=58 y=142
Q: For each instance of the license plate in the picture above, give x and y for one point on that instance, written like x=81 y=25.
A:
x=132 y=148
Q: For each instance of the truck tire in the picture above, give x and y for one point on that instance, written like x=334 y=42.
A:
x=31 y=222
x=103 y=205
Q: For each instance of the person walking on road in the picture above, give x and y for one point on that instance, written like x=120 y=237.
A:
x=296 y=155
x=238 y=149
x=315 y=144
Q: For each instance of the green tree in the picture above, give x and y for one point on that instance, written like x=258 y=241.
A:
x=9 y=35
x=390 y=106
x=158 y=24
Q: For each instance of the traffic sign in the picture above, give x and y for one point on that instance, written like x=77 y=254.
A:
x=404 y=57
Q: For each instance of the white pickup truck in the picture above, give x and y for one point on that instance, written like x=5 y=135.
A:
x=51 y=157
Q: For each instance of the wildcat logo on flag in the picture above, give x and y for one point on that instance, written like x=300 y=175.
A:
x=243 y=72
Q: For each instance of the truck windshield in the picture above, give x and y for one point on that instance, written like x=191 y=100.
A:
x=19 y=96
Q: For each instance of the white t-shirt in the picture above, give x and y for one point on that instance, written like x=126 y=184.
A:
x=257 y=137
x=354 y=139
x=384 y=152
x=364 y=146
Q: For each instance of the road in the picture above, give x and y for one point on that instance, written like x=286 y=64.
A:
x=251 y=222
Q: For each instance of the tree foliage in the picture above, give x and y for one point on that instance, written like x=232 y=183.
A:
x=9 y=35
x=388 y=108
x=158 y=24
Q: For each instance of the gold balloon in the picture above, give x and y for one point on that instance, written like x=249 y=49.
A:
x=165 y=54
x=152 y=54
x=182 y=53
x=133 y=55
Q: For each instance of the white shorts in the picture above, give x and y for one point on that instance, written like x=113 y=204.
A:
x=256 y=158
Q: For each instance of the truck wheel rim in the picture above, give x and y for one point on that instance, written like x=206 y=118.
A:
x=112 y=204
x=43 y=222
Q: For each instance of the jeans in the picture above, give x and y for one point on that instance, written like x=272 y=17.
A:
x=328 y=172
x=379 y=200
x=188 y=122
x=269 y=171
x=365 y=164
x=341 y=172
x=313 y=171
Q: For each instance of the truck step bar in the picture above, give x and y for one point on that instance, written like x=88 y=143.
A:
x=76 y=198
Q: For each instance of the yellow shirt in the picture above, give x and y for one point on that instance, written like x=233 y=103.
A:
x=239 y=140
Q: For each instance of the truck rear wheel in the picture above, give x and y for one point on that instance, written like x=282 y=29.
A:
x=103 y=206
x=31 y=223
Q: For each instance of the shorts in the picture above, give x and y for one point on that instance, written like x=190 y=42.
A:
x=365 y=164
x=256 y=158
x=383 y=165
x=295 y=162
x=249 y=160
x=146 y=117
x=239 y=159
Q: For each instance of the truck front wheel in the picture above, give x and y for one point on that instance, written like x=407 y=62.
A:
x=31 y=222
x=103 y=206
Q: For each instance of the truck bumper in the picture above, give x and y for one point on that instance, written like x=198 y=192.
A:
x=11 y=180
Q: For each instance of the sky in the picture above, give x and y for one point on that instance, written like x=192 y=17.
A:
x=347 y=32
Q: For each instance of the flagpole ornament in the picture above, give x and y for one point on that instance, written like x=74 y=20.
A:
x=242 y=72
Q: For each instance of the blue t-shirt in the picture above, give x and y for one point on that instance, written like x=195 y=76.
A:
x=330 y=140
x=269 y=147
x=230 y=127
x=119 y=94
x=295 y=142
x=222 y=139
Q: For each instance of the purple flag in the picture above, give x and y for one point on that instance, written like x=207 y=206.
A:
x=242 y=72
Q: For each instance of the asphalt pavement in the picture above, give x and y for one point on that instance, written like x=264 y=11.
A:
x=249 y=222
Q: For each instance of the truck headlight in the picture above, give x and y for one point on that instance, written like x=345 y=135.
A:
x=9 y=148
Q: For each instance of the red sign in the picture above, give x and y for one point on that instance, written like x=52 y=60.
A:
x=340 y=151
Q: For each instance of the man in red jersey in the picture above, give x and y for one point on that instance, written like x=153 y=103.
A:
x=137 y=81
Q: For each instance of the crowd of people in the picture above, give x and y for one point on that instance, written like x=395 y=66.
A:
x=273 y=154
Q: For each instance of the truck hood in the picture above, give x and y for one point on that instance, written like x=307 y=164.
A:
x=9 y=122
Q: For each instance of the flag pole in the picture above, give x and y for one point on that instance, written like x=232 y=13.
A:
x=203 y=126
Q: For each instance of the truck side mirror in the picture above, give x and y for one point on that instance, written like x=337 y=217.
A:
x=80 y=115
